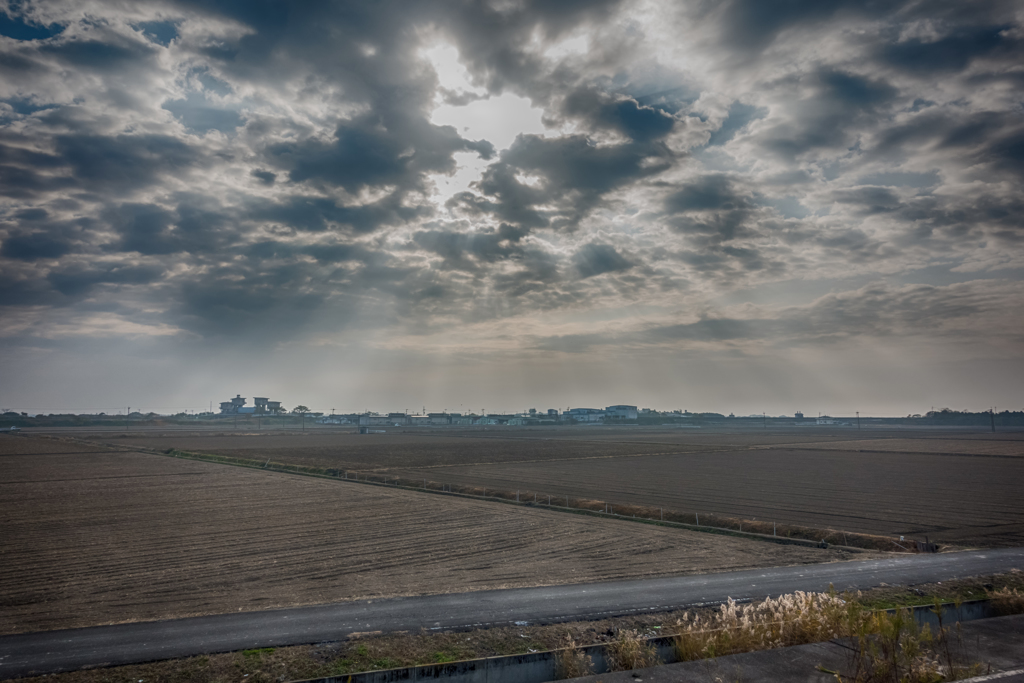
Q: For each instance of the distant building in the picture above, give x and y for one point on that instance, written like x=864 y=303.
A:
x=621 y=412
x=826 y=420
x=262 y=406
x=232 y=407
x=586 y=414
x=799 y=415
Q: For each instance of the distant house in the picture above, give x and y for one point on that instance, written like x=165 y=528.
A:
x=263 y=406
x=621 y=412
x=586 y=414
x=233 y=406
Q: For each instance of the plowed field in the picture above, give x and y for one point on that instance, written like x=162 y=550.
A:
x=969 y=500
x=955 y=486
x=104 y=537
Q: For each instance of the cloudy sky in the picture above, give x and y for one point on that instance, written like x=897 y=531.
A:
x=742 y=205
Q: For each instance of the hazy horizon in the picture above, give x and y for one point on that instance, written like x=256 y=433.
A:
x=743 y=206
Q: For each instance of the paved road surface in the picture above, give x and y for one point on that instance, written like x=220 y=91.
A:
x=55 y=651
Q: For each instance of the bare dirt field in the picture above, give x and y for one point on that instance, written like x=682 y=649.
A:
x=105 y=537
x=954 y=485
x=968 y=500
x=383 y=451
x=406 y=448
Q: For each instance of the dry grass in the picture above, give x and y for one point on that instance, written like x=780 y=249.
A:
x=884 y=645
x=1006 y=601
x=572 y=662
x=792 y=619
x=630 y=650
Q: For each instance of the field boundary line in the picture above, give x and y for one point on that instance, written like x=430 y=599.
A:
x=864 y=450
x=299 y=470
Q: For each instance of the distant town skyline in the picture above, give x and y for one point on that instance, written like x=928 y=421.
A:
x=740 y=206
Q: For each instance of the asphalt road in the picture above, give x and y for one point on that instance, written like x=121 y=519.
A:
x=53 y=651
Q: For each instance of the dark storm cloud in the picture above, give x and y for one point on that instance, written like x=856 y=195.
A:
x=713 y=207
x=462 y=251
x=575 y=175
x=954 y=51
x=625 y=116
x=317 y=214
x=123 y=163
x=493 y=38
x=372 y=150
x=839 y=103
x=870 y=199
x=30 y=246
x=597 y=259
x=265 y=177
x=78 y=280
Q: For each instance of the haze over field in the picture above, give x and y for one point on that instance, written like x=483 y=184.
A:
x=733 y=206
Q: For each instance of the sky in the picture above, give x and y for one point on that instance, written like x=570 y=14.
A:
x=735 y=206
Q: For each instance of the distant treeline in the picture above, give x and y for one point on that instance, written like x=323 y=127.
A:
x=15 y=419
x=947 y=416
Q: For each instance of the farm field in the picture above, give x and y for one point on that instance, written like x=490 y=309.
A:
x=968 y=500
x=384 y=451
x=107 y=537
x=954 y=485
x=402 y=448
